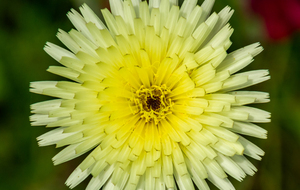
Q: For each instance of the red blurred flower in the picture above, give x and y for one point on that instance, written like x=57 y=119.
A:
x=281 y=17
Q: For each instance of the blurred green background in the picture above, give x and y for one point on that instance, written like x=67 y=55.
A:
x=25 y=26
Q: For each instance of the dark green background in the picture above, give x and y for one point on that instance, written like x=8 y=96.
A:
x=26 y=25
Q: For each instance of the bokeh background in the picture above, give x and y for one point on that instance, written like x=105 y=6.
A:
x=25 y=26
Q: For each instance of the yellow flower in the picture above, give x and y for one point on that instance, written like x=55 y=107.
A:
x=153 y=97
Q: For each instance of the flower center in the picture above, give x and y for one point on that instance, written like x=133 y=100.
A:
x=152 y=103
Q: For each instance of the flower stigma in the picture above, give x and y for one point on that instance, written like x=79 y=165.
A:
x=152 y=103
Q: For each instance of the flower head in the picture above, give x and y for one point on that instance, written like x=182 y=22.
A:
x=153 y=97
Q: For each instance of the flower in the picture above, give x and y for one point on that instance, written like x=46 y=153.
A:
x=281 y=17
x=153 y=97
